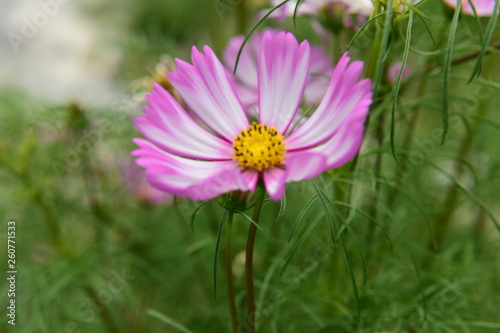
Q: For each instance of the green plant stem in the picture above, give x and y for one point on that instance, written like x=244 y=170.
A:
x=373 y=211
x=371 y=72
x=242 y=17
x=229 y=274
x=249 y=260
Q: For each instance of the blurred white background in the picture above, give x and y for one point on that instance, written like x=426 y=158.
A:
x=67 y=56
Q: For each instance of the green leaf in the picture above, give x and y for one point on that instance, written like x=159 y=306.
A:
x=360 y=30
x=345 y=226
x=301 y=215
x=490 y=30
x=468 y=193
x=299 y=2
x=328 y=214
x=217 y=248
x=282 y=207
x=195 y=212
x=167 y=320
x=249 y=219
x=367 y=216
x=446 y=70
x=428 y=29
x=302 y=237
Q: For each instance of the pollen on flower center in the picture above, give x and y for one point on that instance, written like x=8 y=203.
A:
x=259 y=147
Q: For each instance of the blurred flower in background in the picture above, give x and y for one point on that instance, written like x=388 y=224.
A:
x=246 y=77
x=394 y=70
x=352 y=12
x=138 y=186
x=146 y=83
x=483 y=7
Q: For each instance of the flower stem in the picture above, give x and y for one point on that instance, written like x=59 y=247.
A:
x=229 y=275
x=249 y=261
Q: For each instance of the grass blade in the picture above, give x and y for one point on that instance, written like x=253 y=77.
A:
x=360 y=30
x=428 y=29
x=328 y=214
x=196 y=212
x=301 y=215
x=299 y=2
x=282 y=207
x=249 y=219
x=299 y=242
x=167 y=320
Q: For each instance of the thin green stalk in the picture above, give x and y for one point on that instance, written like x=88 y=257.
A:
x=229 y=275
x=373 y=211
x=242 y=17
x=446 y=71
x=376 y=65
x=398 y=83
x=375 y=72
x=249 y=260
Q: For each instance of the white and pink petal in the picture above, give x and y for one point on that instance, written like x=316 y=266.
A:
x=482 y=7
x=194 y=179
x=246 y=72
x=344 y=99
x=298 y=166
x=283 y=69
x=167 y=124
x=210 y=93
x=275 y=181
x=343 y=146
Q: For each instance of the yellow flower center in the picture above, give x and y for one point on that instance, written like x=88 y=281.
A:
x=259 y=147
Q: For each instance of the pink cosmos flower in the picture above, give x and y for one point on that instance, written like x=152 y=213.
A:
x=483 y=7
x=225 y=151
x=246 y=77
x=138 y=186
x=288 y=9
